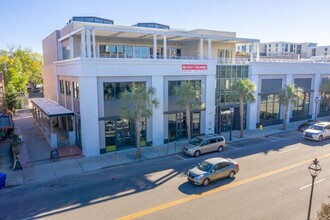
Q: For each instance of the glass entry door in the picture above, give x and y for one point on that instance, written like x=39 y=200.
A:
x=177 y=128
x=225 y=121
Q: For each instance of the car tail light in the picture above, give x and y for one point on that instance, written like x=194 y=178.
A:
x=237 y=165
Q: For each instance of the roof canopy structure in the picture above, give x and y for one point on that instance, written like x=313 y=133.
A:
x=133 y=32
x=51 y=108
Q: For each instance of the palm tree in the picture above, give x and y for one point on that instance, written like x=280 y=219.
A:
x=244 y=89
x=325 y=90
x=189 y=97
x=139 y=101
x=286 y=96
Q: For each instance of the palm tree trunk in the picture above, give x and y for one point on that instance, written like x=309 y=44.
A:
x=137 y=137
x=188 y=122
x=241 y=113
x=285 y=114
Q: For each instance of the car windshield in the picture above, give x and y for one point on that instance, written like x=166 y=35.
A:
x=204 y=166
x=315 y=127
x=195 y=141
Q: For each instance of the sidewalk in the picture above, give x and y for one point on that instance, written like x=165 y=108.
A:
x=70 y=166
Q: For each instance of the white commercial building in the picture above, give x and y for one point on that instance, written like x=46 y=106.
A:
x=89 y=62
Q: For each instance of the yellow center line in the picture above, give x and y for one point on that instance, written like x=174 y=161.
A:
x=221 y=188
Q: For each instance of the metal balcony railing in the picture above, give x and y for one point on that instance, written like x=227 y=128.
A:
x=130 y=56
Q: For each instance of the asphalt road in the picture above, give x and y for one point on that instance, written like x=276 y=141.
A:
x=273 y=183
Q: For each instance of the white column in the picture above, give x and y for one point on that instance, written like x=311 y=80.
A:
x=165 y=47
x=201 y=48
x=317 y=83
x=155 y=46
x=288 y=81
x=88 y=42
x=65 y=94
x=209 y=89
x=71 y=47
x=89 y=105
x=94 y=43
x=209 y=49
x=252 y=108
x=83 y=44
x=251 y=52
x=158 y=113
x=71 y=97
x=258 y=51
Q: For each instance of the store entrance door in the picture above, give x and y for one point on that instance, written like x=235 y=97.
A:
x=225 y=120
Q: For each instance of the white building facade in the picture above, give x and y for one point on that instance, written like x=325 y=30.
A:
x=88 y=64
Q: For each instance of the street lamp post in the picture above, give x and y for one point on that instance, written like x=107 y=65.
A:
x=317 y=99
x=231 y=122
x=314 y=169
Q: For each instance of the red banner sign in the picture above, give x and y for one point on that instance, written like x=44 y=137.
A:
x=194 y=67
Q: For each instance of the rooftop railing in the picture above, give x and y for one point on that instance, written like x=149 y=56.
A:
x=130 y=56
x=234 y=61
x=225 y=61
x=242 y=61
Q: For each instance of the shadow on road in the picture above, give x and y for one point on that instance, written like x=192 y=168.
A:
x=190 y=189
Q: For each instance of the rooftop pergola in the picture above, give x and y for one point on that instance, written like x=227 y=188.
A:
x=88 y=34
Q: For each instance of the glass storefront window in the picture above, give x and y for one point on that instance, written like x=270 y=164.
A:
x=129 y=51
x=325 y=102
x=301 y=106
x=269 y=107
x=120 y=134
x=113 y=50
x=120 y=51
x=226 y=75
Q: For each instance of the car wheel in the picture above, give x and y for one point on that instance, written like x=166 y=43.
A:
x=197 y=153
x=231 y=174
x=206 y=182
x=320 y=138
x=220 y=148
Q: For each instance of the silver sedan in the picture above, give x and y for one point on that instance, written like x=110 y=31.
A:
x=212 y=169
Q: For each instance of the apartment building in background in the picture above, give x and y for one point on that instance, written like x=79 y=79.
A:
x=280 y=49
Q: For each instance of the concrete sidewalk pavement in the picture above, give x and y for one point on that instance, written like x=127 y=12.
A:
x=53 y=170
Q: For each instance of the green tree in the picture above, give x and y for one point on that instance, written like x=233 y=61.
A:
x=324 y=212
x=189 y=97
x=11 y=98
x=20 y=67
x=31 y=64
x=138 y=103
x=244 y=89
x=287 y=95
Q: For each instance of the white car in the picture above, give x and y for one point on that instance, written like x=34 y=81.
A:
x=318 y=131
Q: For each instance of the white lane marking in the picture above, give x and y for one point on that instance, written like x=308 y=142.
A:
x=235 y=148
x=311 y=184
x=181 y=157
x=296 y=148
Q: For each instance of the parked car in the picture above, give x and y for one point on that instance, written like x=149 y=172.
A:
x=212 y=169
x=318 y=131
x=204 y=144
x=306 y=124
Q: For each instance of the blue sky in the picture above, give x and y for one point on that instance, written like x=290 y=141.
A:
x=26 y=22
